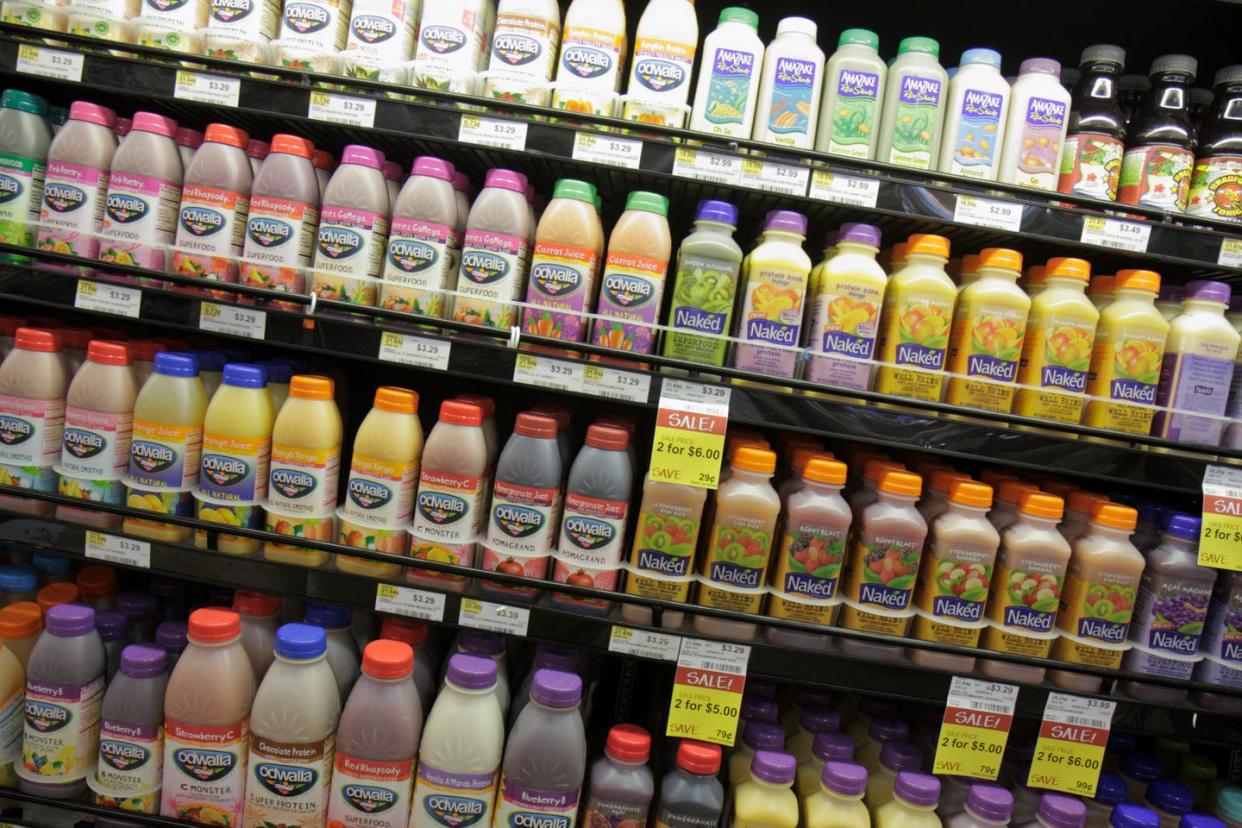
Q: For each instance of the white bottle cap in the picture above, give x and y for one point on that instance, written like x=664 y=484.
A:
x=797 y=25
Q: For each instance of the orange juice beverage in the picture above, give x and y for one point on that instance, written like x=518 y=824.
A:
x=424 y=250
x=99 y=424
x=914 y=328
x=632 y=288
x=777 y=273
x=564 y=265
x=353 y=229
x=284 y=213
x=808 y=566
x=766 y=799
x=1056 y=353
x=494 y=253
x=845 y=316
x=130 y=765
x=1198 y=366
x=144 y=189
x=1100 y=291
x=379 y=497
x=1126 y=361
x=306 y=462
x=1101 y=585
x=215 y=201
x=837 y=802
x=988 y=329
x=33 y=382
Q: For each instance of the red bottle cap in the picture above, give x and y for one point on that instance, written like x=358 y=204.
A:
x=698 y=757
x=628 y=743
x=460 y=413
x=108 y=353
x=405 y=630
x=37 y=339
x=213 y=625
x=248 y=602
x=383 y=659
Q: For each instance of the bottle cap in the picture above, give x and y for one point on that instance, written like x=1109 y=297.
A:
x=150 y=122
x=212 y=625
x=1038 y=504
x=1137 y=280
x=110 y=624
x=859 y=233
x=461 y=182
x=1000 y=257
x=942 y=480
x=859 y=37
x=172 y=364
x=902 y=483
x=142 y=661
x=735 y=14
x=1116 y=516
x=1060 y=811
x=888 y=730
x=1229 y=74
x=819 y=720
x=760 y=689
x=718 y=211
x=1084 y=502
x=172 y=635
x=628 y=743
x=1205 y=291
x=481 y=644
x=431 y=167
x=386 y=659
x=760 y=735
x=970 y=493
x=461 y=413
x=1170 y=797
x=701 y=758
x=21 y=620
x=928 y=245
x=18 y=578
x=901 y=756
x=136 y=605
x=24 y=102
x=144 y=350
x=242 y=375
x=1011 y=491
x=122 y=126
x=291 y=145
x=831 y=745
x=1067 y=268
x=279 y=371
x=1229 y=803
x=37 y=339
x=68 y=620
x=797 y=25
x=917 y=788
x=329 y=616
x=258 y=150
x=982 y=57
x=646 y=202
x=1110 y=789
x=774 y=766
x=227 y=135
x=248 y=602
x=1201 y=821
x=1198 y=768
x=1179 y=64
x=925 y=45
x=609 y=438
x=96 y=580
x=1141 y=765
x=506 y=180
x=823 y=470
x=363 y=156
x=552 y=657
x=576 y=190
x=786 y=221
x=531 y=424
x=210 y=359
x=57 y=593
x=1041 y=66
x=1104 y=53
x=188 y=138
x=756 y=709
x=844 y=778
x=106 y=352
x=49 y=564
x=1126 y=815
x=392 y=172
x=1183 y=526
x=556 y=689
x=751 y=459
x=901 y=251
x=397 y=400
x=92 y=114
x=301 y=641
x=990 y=802
x=405 y=630
x=471 y=672
x=310 y=387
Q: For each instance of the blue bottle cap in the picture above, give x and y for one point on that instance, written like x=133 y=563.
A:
x=301 y=641
x=986 y=57
x=328 y=616
x=47 y=563
x=211 y=360
x=18 y=578
x=173 y=364
x=243 y=375
x=1126 y=815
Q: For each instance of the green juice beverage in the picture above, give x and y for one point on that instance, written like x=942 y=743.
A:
x=708 y=264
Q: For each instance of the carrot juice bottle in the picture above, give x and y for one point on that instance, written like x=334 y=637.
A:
x=632 y=288
x=564 y=265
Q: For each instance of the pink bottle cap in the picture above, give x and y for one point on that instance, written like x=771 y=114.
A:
x=122 y=127
x=461 y=182
x=363 y=156
x=92 y=114
x=392 y=171
x=506 y=180
x=150 y=122
x=187 y=137
x=530 y=192
x=257 y=149
x=433 y=167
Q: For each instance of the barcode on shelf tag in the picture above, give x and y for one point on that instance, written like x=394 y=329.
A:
x=605 y=149
x=219 y=90
x=1230 y=253
x=844 y=189
x=615 y=384
x=417 y=351
x=689 y=437
x=108 y=298
x=644 y=643
x=546 y=372
x=977 y=719
x=341 y=109
x=707 y=691
x=124 y=551
x=412 y=603
x=985 y=212
x=711 y=167
x=492 y=132
x=1220 y=538
x=1070 y=750
x=788 y=179
x=50 y=63
x=499 y=618
x=1115 y=235
x=232 y=321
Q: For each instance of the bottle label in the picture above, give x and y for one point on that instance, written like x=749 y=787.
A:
x=1057 y=355
x=1195 y=382
x=447 y=517
x=381 y=30
x=1222 y=634
x=1098 y=610
x=369 y=793
x=882 y=571
x=380 y=492
x=244 y=19
x=666 y=818
x=854 y=120
x=1216 y=188
x=629 y=302
x=210 y=231
x=974 y=146
x=702 y=309
x=165 y=456
x=914 y=122
x=303 y=482
x=811 y=558
x=562 y=279
x=235 y=468
x=520 y=807
x=523 y=57
x=916 y=333
x=660 y=81
x=1156 y=176
x=607 y=813
x=313 y=26
x=288 y=782
x=590 y=70
x=1027 y=596
x=729 y=89
x=1169 y=614
x=205 y=772
x=1043 y=127
x=351 y=245
x=493 y=270
x=31 y=431
x=668 y=534
x=131 y=760
x=987 y=344
x=846 y=323
x=524 y=521
x=72 y=212
x=452 y=800
x=737 y=556
x=450 y=43
x=1091 y=166
x=772 y=315
x=592 y=539
x=422 y=260
x=12 y=722
x=793 y=99
x=140 y=220
x=955 y=583
x=1125 y=368
x=61 y=735
x=280 y=238
x=21 y=193
x=97 y=444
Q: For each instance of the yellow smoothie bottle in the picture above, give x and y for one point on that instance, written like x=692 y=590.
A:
x=1056 y=355
x=767 y=800
x=838 y=803
x=914 y=328
x=1126 y=361
x=988 y=330
x=1101 y=291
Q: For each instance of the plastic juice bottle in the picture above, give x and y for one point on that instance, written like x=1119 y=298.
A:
x=757 y=735
x=426 y=659
x=914 y=106
x=1127 y=815
x=1058 y=811
x=452 y=43
x=663 y=62
x=977 y=105
x=593 y=51
x=1056 y=352
x=728 y=87
x=1198 y=366
x=171 y=637
x=988 y=328
x=523 y=51
x=353 y=229
x=1170 y=800
x=379 y=40
x=139 y=609
x=808 y=568
x=766 y=799
x=1101 y=291
x=25 y=138
x=342 y=648
x=12 y=703
x=864 y=496
x=33 y=380
x=311 y=34
x=75 y=188
x=144 y=190
x=691 y=794
x=701 y=308
x=259 y=617
x=324 y=164
x=20 y=625
x=849 y=118
x=846 y=311
x=547 y=657
x=837 y=802
x=1159 y=155
x=564 y=265
x=18 y=582
x=494 y=255
x=1169 y=301
x=284 y=215
x=1222 y=663
x=829 y=746
x=424 y=251
x=97 y=586
x=936 y=500
x=777 y=272
x=129 y=769
x=621 y=783
x=669 y=522
x=1009 y=494
x=1035 y=130
x=1139 y=769
x=215 y=201
x=1218 y=150
x=167 y=445
x=465 y=712
x=791 y=86
x=99 y=419
x=1110 y=791
x=488 y=645
x=1096 y=130
x=54 y=594
x=913 y=804
x=241 y=29
x=986 y=806
x=1127 y=358
x=1080 y=505
x=880 y=732
x=379 y=497
x=632 y=288
x=916 y=321
x=306 y=460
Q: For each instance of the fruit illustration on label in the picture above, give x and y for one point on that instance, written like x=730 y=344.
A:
x=770 y=302
x=852 y=316
x=1068 y=347
x=891 y=566
x=1138 y=360
x=510 y=567
x=1041 y=593
x=926 y=325
x=816 y=553
x=1001 y=338
x=1112 y=602
x=966 y=581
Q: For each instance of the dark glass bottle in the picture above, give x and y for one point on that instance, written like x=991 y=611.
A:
x=1216 y=186
x=1095 y=140
x=1161 y=142
x=1130 y=96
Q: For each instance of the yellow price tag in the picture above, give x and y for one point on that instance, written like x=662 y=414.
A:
x=1070 y=750
x=690 y=434
x=1220 y=539
x=977 y=719
x=707 y=691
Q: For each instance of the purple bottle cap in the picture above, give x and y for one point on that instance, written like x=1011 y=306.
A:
x=859 y=233
x=786 y=221
x=888 y=730
x=1043 y=66
x=363 y=156
x=1201 y=821
x=506 y=180
x=917 y=788
x=471 y=672
x=1209 y=292
x=874 y=708
x=720 y=211
x=432 y=167
x=901 y=756
x=166 y=588
x=1171 y=293
x=818 y=720
x=553 y=688
x=1170 y=797
x=69 y=620
x=481 y=644
x=136 y=605
x=552 y=657
x=833 y=746
x=142 y=661
x=1060 y=811
x=1141 y=766
x=110 y=624
x=816 y=697
x=844 y=778
x=171 y=635
x=760 y=690
x=774 y=766
x=990 y=802
x=759 y=710
x=1126 y=815
x=759 y=735
x=1183 y=526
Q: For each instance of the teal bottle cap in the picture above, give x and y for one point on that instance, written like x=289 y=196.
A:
x=859 y=37
x=925 y=45
x=736 y=14
x=24 y=102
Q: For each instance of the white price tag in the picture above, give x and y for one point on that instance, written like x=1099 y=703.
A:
x=789 y=179
x=233 y=321
x=498 y=618
x=418 y=351
x=209 y=89
x=845 y=189
x=1080 y=711
x=492 y=132
x=984 y=212
x=605 y=149
x=712 y=167
x=112 y=549
x=695 y=398
x=1115 y=234
x=990 y=697
x=644 y=644
x=50 y=63
x=341 y=109
x=545 y=372
x=1230 y=253
x=615 y=384
x=412 y=603
x=108 y=298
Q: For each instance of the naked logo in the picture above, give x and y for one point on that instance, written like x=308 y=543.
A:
x=285 y=780
x=369 y=799
x=589 y=533
x=443 y=39
x=371 y=28
x=305 y=18
x=482 y=267
x=659 y=75
x=293 y=483
x=124 y=756
x=63 y=198
x=585 y=62
x=83 y=444
x=228 y=11
x=14 y=430
x=515 y=49
x=454 y=811
x=727 y=572
x=368 y=494
x=125 y=208
x=204 y=765
x=440 y=508
x=411 y=256
x=44 y=717
x=554 y=279
x=268 y=232
x=10 y=188
x=339 y=242
x=151 y=458
x=224 y=471
x=201 y=221
x=517 y=521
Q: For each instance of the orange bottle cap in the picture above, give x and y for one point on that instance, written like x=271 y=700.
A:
x=486 y=404
x=942 y=480
x=1042 y=505
x=96 y=580
x=1001 y=257
x=1115 y=515
x=731 y=449
x=398 y=400
x=754 y=459
x=900 y=251
x=1137 y=280
x=1102 y=285
x=801 y=456
x=1085 y=502
x=291 y=145
x=994 y=477
x=212 y=625
x=61 y=592
x=225 y=134
x=459 y=412
x=1057 y=487
x=407 y=630
x=876 y=468
x=970 y=263
x=823 y=470
x=310 y=387
x=20 y=620
x=1036 y=275
x=248 y=602
x=1068 y=268
x=928 y=245
x=1011 y=491
x=383 y=659
x=106 y=352
x=323 y=160
x=902 y=483
x=970 y=493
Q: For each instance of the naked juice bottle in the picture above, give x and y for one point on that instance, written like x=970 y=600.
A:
x=494 y=253
x=777 y=273
x=669 y=521
x=845 y=311
x=808 y=566
x=632 y=287
x=915 y=325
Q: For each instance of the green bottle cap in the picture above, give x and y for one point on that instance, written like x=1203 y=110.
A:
x=599 y=203
x=736 y=14
x=24 y=102
x=859 y=37
x=648 y=202
x=925 y=45
x=1198 y=767
x=577 y=190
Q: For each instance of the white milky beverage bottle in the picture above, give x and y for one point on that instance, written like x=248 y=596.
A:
x=791 y=86
x=668 y=35
x=728 y=89
x=523 y=51
x=144 y=190
x=593 y=49
x=353 y=229
x=211 y=223
x=76 y=185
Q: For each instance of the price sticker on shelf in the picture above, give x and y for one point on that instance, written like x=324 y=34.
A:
x=492 y=132
x=209 y=89
x=711 y=167
x=412 y=603
x=615 y=384
x=489 y=617
x=1220 y=538
x=1070 y=750
x=108 y=298
x=985 y=212
x=50 y=63
x=977 y=719
x=1230 y=253
x=690 y=433
x=341 y=109
x=123 y=551
x=844 y=189
x=232 y=321
x=606 y=149
x=644 y=643
x=1115 y=235
x=416 y=351
x=707 y=691
x=789 y=179
x=546 y=372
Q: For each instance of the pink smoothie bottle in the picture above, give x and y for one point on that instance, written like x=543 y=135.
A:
x=144 y=189
x=76 y=186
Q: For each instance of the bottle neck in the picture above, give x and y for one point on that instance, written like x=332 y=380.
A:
x=1037 y=521
x=926 y=259
x=1145 y=296
x=972 y=511
x=824 y=489
x=1098 y=81
x=894 y=499
x=783 y=236
x=1204 y=306
x=1094 y=528
x=1076 y=285
x=1002 y=273
x=1168 y=92
x=715 y=227
x=748 y=476
x=855 y=247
